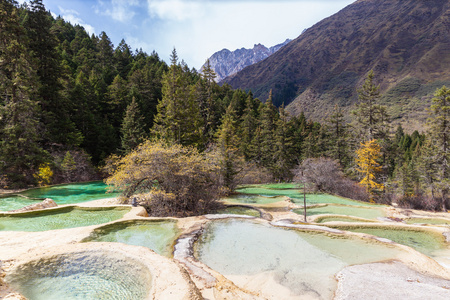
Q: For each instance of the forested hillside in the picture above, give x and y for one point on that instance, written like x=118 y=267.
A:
x=71 y=103
x=406 y=43
x=64 y=94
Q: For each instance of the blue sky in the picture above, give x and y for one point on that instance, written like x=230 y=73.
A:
x=196 y=28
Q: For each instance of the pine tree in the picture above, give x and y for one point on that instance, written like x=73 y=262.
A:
x=284 y=157
x=228 y=141
x=118 y=94
x=267 y=119
x=208 y=76
x=338 y=137
x=132 y=128
x=123 y=59
x=68 y=167
x=405 y=178
x=439 y=123
x=247 y=130
x=428 y=167
x=55 y=116
x=371 y=118
x=105 y=56
x=297 y=131
x=20 y=150
x=178 y=119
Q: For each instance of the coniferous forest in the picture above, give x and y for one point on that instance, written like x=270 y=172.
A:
x=71 y=102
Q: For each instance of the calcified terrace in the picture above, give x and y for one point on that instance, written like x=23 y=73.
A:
x=266 y=252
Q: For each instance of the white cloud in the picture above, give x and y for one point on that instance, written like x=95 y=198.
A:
x=119 y=10
x=176 y=10
x=198 y=28
x=71 y=16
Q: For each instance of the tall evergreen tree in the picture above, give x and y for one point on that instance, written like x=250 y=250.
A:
x=20 y=150
x=428 y=167
x=132 y=128
x=248 y=123
x=370 y=117
x=267 y=118
x=228 y=141
x=439 y=123
x=106 y=57
x=123 y=59
x=208 y=76
x=178 y=118
x=284 y=156
x=338 y=137
x=118 y=94
x=58 y=126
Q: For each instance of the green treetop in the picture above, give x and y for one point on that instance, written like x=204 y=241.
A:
x=132 y=128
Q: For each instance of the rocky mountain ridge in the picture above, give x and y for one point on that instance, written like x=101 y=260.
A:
x=226 y=62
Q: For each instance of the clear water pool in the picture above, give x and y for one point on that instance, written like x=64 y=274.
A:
x=59 y=218
x=15 y=202
x=156 y=235
x=236 y=210
x=360 y=212
x=280 y=186
x=61 y=194
x=424 y=241
x=81 y=276
x=432 y=221
x=253 y=199
x=341 y=219
x=305 y=263
x=270 y=192
x=297 y=195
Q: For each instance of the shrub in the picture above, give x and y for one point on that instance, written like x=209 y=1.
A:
x=176 y=180
x=421 y=201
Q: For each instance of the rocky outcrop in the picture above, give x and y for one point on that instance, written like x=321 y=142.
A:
x=47 y=203
x=226 y=62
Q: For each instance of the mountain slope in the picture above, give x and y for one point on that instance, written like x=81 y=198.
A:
x=405 y=42
x=226 y=62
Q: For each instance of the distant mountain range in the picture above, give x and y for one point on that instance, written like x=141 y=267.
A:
x=405 y=42
x=226 y=62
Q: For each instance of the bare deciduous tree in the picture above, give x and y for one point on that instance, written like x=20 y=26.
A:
x=325 y=175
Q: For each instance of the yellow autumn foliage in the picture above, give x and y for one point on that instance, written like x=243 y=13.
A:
x=44 y=174
x=367 y=156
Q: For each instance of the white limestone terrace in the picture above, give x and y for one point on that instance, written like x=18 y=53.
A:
x=192 y=279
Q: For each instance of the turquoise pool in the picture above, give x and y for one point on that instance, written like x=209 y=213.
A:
x=60 y=218
x=156 y=235
x=61 y=194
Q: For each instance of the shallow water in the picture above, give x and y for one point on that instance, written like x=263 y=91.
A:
x=331 y=199
x=236 y=210
x=64 y=217
x=426 y=242
x=156 y=235
x=270 y=192
x=83 y=276
x=305 y=263
x=297 y=195
x=361 y=212
x=253 y=199
x=15 y=202
x=61 y=194
x=281 y=186
x=433 y=221
x=341 y=219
